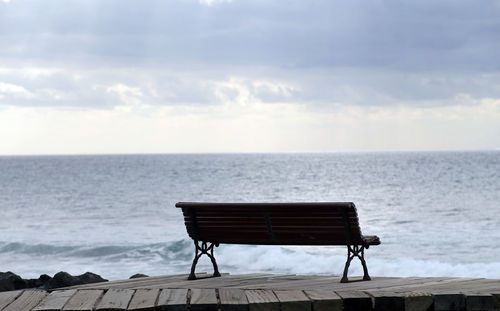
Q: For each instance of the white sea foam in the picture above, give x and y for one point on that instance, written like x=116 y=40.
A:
x=242 y=259
x=118 y=263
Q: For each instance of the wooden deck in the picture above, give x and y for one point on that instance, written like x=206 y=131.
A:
x=262 y=292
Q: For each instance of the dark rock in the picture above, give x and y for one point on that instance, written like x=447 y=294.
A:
x=64 y=279
x=44 y=278
x=61 y=279
x=138 y=275
x=35 y=283
x=11 y=281
x=89 y=277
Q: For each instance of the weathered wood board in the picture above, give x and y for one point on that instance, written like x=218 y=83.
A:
x=264 y=292
x=26 y=301
x=293 y=300
x=7 y=298
x=55 y=301
x=174 y=299
x=83 y=300
x=355 y=300
x=203 y=299
x=233 y=299
x=115 y=299
x=324 y=300
x=144 y=299
x=262 y=300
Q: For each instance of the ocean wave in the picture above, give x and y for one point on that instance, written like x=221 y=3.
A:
x=119 y=261
x=244 y=259
x=35 y=249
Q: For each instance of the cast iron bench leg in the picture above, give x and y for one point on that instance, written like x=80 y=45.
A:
x=199 y=251
x=355 y=251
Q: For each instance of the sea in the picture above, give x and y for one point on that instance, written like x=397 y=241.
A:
x=436 y=213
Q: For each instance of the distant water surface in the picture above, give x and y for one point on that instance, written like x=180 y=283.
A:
x=437 y=213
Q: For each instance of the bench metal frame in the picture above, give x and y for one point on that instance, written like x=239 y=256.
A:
x=200 y=250
x=355 y=251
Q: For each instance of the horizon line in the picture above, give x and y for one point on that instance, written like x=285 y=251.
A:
x=246 y=152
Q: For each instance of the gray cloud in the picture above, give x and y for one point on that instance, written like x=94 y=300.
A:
x=319 y=53
x=109 y=87
x=416 y=35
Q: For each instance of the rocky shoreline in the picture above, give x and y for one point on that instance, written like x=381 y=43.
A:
x=11 y=281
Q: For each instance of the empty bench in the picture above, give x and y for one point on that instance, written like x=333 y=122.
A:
x=325 y=223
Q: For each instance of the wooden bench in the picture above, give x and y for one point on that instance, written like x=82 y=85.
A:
x=210 y=224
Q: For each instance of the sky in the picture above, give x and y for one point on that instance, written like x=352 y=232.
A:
x=120 y=76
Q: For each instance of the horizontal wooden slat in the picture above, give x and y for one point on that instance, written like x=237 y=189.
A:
x=275 y=223
x=255 y=210
x=263 y=224
x=355 y=233
x=262 y=227
x=279 y=215
x=274 y=218
x=282 y=213
x=317 y=205
x=320 y=221
x=268 y=241
x=283 y=233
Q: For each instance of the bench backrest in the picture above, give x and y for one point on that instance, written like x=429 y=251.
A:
x=273 y=223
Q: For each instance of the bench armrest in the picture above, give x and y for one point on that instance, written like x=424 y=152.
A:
x=371 y=239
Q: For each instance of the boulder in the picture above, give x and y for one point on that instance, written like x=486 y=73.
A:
x=89 y=277
x=64 y=279
x=11 y=281
x=138 y=275
x=36 y=283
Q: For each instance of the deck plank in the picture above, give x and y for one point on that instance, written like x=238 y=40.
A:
x=262 y=300
x=355 y=300
x=404 y=285
x=287 y=282
x=26 y=301
x=172 y=299
x=478 y=302
x=233 y=299
x=8 y=297
x=293 y=300
x=383 y=301
x=417 y=301
x=386 y=300
x=55 y=301
x=496 y=299
x=324 y=300
x=144 y=299
x=83 y=300
x=227 y=281
x=203 y=299
x=115 y=299
x=137 y=283
x=449 y=301
x=387 y=284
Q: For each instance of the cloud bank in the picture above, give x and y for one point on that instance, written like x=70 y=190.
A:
x=313 y=75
